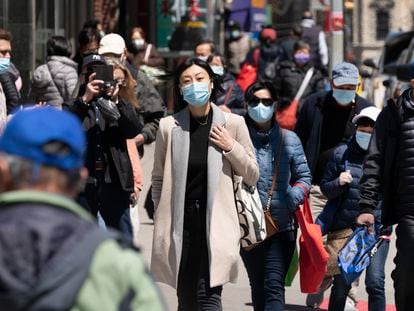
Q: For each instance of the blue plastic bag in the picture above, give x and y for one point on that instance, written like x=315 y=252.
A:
x=356 y=255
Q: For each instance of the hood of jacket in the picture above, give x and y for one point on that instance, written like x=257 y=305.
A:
x=61 y=60
x=41 y=76
x=37 y=263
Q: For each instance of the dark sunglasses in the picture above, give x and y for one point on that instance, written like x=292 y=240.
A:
x=265 y=101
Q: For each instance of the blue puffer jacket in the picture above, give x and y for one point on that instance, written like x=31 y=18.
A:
x=292 y=169
x=344 y=198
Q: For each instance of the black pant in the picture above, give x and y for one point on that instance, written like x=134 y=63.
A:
x=403 y=274
x=194 y=291
x=112 y=202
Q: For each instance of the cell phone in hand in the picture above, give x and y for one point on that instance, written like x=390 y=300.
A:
x=104 y=73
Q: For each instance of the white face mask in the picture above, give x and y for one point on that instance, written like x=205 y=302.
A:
x=139 y=43
x=204 y=58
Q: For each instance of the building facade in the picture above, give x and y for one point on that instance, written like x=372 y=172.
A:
x=374 y=19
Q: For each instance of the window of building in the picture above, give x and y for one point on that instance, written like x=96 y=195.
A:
x=383 y=24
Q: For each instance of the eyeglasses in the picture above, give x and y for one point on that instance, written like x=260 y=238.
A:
x=265 y=101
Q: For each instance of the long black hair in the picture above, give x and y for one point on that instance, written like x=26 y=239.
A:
x=180 y=103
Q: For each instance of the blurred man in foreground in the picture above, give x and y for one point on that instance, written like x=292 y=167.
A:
x=54 y=257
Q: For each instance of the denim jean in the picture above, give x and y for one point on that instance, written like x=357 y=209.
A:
x=194 y=292
x=403 y=274
x=374 y=284
x=267 y=265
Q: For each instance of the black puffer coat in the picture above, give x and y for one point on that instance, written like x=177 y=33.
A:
x=387 y=167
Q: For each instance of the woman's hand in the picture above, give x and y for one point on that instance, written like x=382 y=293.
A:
x=113 y=93
x=93 y=88
x=222 y=138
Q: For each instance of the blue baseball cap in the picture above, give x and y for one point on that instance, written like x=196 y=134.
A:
x=345 y=73
x=29 y=131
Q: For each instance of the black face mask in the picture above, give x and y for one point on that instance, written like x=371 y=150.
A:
x=85 y=54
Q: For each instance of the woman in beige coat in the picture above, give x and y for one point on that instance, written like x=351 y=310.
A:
x=197 y=233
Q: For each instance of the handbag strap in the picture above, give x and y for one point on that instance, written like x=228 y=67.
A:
x=304 y=84
x=227 y=97
x=147 y=53
x=270 y=194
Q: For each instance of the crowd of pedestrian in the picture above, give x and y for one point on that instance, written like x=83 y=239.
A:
x=71 y=172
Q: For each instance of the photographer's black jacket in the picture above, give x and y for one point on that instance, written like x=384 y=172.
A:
x=113 y=136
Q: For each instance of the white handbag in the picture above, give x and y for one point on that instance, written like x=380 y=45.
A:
x=250 y=212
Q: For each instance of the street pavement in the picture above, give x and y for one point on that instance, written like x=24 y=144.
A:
x=236 y=297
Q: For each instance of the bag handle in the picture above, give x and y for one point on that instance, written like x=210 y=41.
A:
x=307 y=214
x=270 y=194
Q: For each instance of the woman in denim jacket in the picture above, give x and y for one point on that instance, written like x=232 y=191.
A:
x=268 y=263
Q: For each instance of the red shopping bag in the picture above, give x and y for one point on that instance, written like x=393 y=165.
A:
x=312 y=255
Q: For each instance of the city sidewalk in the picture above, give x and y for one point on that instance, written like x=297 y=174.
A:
x=236 y=297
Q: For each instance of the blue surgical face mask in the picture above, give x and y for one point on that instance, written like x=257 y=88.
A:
x=196 y=94
x=261 y=113
x=4 y=64
x=363 y=139
x=343 y=97
x=218 y=70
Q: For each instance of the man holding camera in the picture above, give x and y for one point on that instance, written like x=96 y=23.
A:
x=108 y=122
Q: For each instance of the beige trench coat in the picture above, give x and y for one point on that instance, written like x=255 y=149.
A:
x=168 y=192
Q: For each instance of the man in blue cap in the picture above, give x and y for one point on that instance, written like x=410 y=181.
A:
x=325 y=121
x=54 y=257
x=388 y=173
